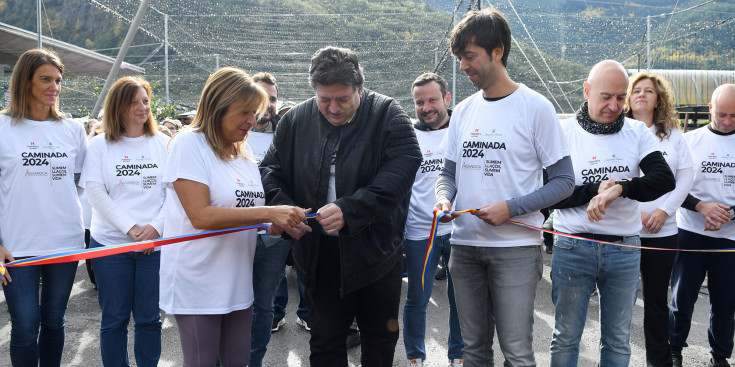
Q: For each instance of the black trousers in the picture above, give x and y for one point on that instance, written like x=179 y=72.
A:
x=655 y=277
x=375 y=307
x=689 y=271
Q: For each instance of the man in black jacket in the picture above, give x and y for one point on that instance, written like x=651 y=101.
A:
x=350 y=154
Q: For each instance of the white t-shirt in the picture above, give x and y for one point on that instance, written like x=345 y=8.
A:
x=597 y=158
x=500 y=148
x=211 y=275
x=40 y=212
x=676 y=153
x=259 y=144
x=423 y=199
x=714 y=179
x=131 y=170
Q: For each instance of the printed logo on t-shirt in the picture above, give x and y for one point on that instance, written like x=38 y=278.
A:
x=40 y=158
x=58 y=172
x=493 y=134
x=476 y=149
x=613 y=159
x=126 y=159
x=51 y=146
x=32 y=145
x=431 y=165
x=473 y=167
x=593 y=161
x=492 y=166
x=246 y=198
x=30 y=173
x=132 y=169
x=143 y=159
x=599 y=174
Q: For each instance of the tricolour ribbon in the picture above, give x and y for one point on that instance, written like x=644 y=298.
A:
x=439 y=214
x=96 y=252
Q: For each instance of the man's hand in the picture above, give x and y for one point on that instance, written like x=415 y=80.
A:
x=598 y=204
x=6 y=257
x=494 y=214
x=331 y=218
x=604 y=185
x=654 y=222
x=296 y=231
x=715 y=214
x=445 y=206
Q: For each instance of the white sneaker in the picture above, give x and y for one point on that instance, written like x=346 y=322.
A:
x=416 y=362
x=302 y=322
x=456 y=363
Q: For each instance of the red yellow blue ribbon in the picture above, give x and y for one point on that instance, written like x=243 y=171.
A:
x=93 y=253
x=439 y=214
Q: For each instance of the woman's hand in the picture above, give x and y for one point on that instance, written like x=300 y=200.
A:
x=287 y=217
x=7 y=257
x=144 y=234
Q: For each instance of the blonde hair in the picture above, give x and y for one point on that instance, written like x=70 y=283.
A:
x=20 y=91
x=223 y=88
x=117 y=105
x=665 y=117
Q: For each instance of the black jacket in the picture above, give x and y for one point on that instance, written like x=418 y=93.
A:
x=376 y=162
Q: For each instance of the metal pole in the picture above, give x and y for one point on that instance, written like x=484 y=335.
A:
x=38 y=23
x=648 y=43
x=120 y=56
x=165 y=53
x=454 y=70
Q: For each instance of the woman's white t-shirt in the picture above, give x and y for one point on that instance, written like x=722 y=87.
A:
x=132 y=171
x=423 y=198
x=597 y=158
x=714 y=179
x=212 y=275
x=40 y=211
x=676 y=153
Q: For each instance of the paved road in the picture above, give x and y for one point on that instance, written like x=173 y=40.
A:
x=290 y=345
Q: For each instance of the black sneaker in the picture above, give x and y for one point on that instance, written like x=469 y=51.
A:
x=441 y=273
x=353 y=338
x=676 y=358
x=716 y=361
x=277 y=323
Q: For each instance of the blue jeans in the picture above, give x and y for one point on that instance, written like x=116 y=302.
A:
x=279 y=304
x=414 y=310
x=128 y=282
x=267 y=265
x=578 y=266
x=495 y=289
x=28 y=346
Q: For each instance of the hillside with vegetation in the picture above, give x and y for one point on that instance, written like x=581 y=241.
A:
x=396 y=40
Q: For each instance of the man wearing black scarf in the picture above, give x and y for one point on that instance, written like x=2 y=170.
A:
x=608 y=151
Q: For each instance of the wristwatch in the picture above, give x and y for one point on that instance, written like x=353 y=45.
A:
x=624 y=184
x=732 y=212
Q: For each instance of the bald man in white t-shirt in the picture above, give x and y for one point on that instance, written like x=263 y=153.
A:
x=706 y=222
x=608 y=153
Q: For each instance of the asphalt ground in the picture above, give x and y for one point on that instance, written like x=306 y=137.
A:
x=290 y=345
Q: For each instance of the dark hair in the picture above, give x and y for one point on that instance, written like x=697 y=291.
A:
x=427 y=78
x=486 y=28
x=335 y=65
x=20 y=80
x=266 y=78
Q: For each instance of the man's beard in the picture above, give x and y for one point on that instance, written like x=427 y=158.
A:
x=440 y=116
